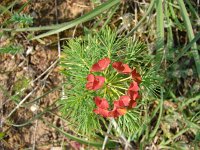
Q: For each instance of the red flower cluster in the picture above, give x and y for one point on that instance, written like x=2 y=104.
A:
x=126 y=101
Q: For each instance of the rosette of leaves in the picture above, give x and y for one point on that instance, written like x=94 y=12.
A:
x=78 y=103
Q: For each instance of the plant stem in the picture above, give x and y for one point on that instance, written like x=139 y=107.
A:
x=159 y=33
x=177 y=135
x=106 y=137
x=22 y=101
x=190 y=32
x=110 y=144
x=196 y=98
x=123 y=80
x=114 y=123
x=119 y=87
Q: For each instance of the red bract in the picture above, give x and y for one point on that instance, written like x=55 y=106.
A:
x=94 y=82
x=116 y=112
x=101 y=102
x=122 y=68
x=136 y=76
x=102 y=106
x=123 y=101
x=100 y=65
x=133 y=86
x=132 y=104
x=119 y=106
x=102 y=112
x=133 y=94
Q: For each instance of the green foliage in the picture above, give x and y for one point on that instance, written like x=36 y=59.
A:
x=2 y=135
x=197 y=137
x=22 y=19
x=18 y=89
x=130 y=123
x=11 y=49
x=78 y=57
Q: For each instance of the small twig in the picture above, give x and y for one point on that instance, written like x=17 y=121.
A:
x=58 y=35
x=22 y=101
x=55 y=62
x=127 y=144
x=30 y=83
x=34 y=134
x=106 y=137
x=74 y=31
x=59 y=54
x=36 y=112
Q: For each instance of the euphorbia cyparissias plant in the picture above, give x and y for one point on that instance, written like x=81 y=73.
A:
x=126 y=101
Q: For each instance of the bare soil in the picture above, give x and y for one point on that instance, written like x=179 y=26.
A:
x=17 y=71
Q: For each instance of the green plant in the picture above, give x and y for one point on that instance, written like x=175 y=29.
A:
x=22 y=19
x=18 y=89
x=11 y=49
x=15 y=19
x=79 y=56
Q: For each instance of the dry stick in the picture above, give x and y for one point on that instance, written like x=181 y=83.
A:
x=59 y=55
x=34 y=134
x=58 y=35
x=21 y=102
x=117 y=128
x=74 y=31
x=106 y=137
x=35 y=79
x=50 y=67
x=36 y=121
x=55 y=62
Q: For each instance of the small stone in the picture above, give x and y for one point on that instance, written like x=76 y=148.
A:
x=34 y=108
x=29 y=50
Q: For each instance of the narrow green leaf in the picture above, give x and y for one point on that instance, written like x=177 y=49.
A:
x=186 y=103
x=169 y=28
x=6 y=9
x=174 y=17
x=153 y=133
x=98 y=10
x=190 y=32
x=159 y=32
x=109 y=144
x=186 y=48
x=192 y=9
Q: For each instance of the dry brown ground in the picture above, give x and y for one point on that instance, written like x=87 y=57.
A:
x=29 y=66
